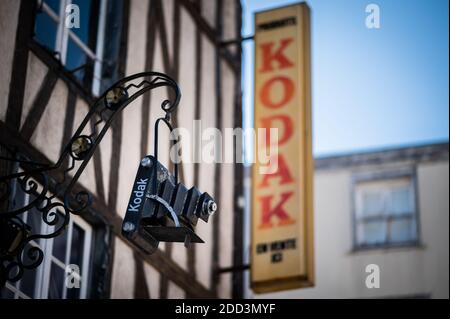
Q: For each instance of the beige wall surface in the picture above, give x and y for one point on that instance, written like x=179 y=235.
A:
x=404 y=272
x=9 y=11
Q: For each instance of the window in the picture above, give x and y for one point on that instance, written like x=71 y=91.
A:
x=385 y=212
x=48 y=281
x=90 y=52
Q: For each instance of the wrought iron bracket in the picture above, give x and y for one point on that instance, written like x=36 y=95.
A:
x=236 y=41
x=17 y=251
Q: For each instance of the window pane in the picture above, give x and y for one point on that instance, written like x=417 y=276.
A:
x=77 y=58
x=28 y=282
x=45 y=31
x=402 y=230
x=53 y=4
x=34 y=220
x=372 y=203
x=372 y=233
x=400 y=202
x=5 y=293
x=19 y=197
x=56 y=282
x=76 y=252
x=59 y=246
x=87 y=32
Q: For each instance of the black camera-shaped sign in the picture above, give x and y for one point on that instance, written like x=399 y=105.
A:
x=160 y=209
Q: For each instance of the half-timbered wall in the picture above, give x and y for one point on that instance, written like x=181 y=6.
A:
x=41 y=107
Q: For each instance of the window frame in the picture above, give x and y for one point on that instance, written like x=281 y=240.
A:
x=63 y=34
x=49 y=258
x=385 y=175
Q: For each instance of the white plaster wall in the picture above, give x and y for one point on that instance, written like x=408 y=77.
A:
x=131 y=123
x=186 y=81
x=175 y=292
x=48 y=134
x=122 y=282
x=434 y=213
x=153 y=280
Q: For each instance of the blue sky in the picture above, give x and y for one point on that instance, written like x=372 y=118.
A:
x=372 y=88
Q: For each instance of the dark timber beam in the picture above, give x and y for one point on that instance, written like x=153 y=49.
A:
x=39 y=105
x=215 y=263
x=238 y=215
x=25 y=27
x=211 y=34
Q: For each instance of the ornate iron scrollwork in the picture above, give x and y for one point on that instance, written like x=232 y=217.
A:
x=17 y=252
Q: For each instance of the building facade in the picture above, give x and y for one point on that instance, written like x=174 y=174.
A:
x=52 y=73
x=385 y=208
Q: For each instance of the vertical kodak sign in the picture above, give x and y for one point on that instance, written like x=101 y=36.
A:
x=282 y=208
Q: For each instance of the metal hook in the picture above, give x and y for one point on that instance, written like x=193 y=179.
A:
x=165 y=120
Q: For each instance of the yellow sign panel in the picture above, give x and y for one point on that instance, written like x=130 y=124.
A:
x=282 y=208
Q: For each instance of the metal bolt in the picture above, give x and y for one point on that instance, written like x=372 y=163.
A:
x=212 y=207
x=128 y=227
x=146 y=162
x=81 y=146
x=114 y=97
